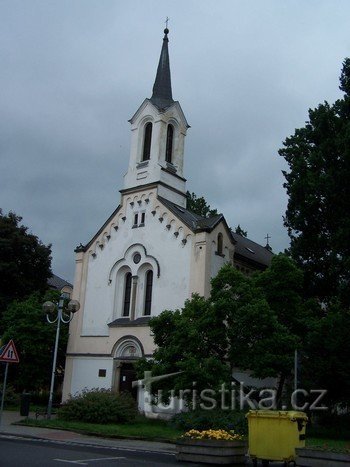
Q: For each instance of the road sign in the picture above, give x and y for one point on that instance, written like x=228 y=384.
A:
x=9 y=354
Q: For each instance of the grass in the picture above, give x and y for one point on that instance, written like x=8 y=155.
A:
x=143 y=428
x=157 y=430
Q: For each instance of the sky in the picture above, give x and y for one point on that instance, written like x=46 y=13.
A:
x=74 y=71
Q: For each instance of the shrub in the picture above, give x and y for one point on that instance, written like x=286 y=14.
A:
x=42 y=397
x=11 y=397
x=211 y=420
x=331 y=426
x=99 y=406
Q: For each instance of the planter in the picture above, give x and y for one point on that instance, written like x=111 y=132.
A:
x=210 y=451
x=308 y=457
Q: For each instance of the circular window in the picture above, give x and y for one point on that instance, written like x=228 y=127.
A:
x=137 y=258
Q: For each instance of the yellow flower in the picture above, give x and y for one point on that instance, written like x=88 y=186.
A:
x=213 y=434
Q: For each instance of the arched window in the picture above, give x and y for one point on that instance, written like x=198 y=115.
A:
x=127 y=294
x=147 y=142
x=169 y=143
x=219 y=249
x=148 y=294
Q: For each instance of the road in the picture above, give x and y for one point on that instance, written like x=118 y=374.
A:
x=16 y=451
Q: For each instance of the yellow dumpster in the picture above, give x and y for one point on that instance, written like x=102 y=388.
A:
x=273 y=435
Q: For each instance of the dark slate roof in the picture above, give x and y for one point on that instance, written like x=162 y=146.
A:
x=193 y=221
x=162 y=95
x=245 y=249
x=253 y=252
x=58 y=283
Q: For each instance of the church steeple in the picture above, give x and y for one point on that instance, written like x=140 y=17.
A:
x=158 y=131
x=162 y=95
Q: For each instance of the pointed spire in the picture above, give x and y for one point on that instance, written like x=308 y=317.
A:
x=162 y=96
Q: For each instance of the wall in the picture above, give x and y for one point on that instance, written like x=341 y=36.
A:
x=85 y=373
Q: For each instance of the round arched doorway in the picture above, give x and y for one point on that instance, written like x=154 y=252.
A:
x=126 y=352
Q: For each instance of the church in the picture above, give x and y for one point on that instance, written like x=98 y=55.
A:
x=150 y=255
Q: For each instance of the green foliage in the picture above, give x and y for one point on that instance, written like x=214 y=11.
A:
x=11 y=396
x=25 y=323
x=142 y=428
x=318 y=187
x=199 y=205
x=245 y=323
x=41 y=398
x=211 y=419
x=25 y=263
x=325 y=359
x=258 y=340
x=99 y=406
x=331 y=426
x=240 y=231
x=191 y=341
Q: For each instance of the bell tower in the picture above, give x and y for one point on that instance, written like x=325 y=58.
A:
x=158 y=130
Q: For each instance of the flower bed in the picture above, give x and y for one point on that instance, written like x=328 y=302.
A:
x=212 y=447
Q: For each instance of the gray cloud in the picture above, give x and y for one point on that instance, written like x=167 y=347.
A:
x=73 y=72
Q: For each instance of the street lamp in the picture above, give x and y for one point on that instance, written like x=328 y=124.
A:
x=49 y=308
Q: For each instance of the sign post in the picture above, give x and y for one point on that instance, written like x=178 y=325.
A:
x=8 y=355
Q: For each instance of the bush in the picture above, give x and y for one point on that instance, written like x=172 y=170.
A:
x=211 y=419
x=11 y=397
x=99 y=406
x=331 y=426
x=42 y=398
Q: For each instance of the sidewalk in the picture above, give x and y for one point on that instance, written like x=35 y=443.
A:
x=7 y=428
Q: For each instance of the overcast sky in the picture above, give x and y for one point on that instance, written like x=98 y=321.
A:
x=72 y=72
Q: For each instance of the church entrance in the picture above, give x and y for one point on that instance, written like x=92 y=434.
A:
x=127 y=376
x=127 y=351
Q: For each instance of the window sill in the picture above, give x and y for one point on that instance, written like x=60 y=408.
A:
x=142 y=164
x=220 y=254
x=171 y=167
x=127 y=322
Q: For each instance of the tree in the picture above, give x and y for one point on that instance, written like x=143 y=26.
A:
x=199 y=205
x=26 y=324
x=325 y=360
x=191 y=340
x=259 y=339
x=240 y=231
x=24 y=261
x=318 y=186
x=238 y=326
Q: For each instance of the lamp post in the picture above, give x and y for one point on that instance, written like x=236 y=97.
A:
x=49 y=308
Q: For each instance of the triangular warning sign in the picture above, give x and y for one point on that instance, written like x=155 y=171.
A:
x=9 y=354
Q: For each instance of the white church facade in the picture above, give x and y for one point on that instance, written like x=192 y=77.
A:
x=151 y=254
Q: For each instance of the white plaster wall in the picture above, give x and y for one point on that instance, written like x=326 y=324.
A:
x=151 y=172
x=173 y=196
x=217 y=261
x=170 y=289
x=85 y=373
x=171 y=180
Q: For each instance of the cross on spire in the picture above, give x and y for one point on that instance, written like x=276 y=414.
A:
x=166 y=22
x=267 y=246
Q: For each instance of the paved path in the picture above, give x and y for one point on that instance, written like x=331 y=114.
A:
x=7 y=427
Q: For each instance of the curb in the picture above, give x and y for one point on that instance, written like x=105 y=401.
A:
x=88 y=442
